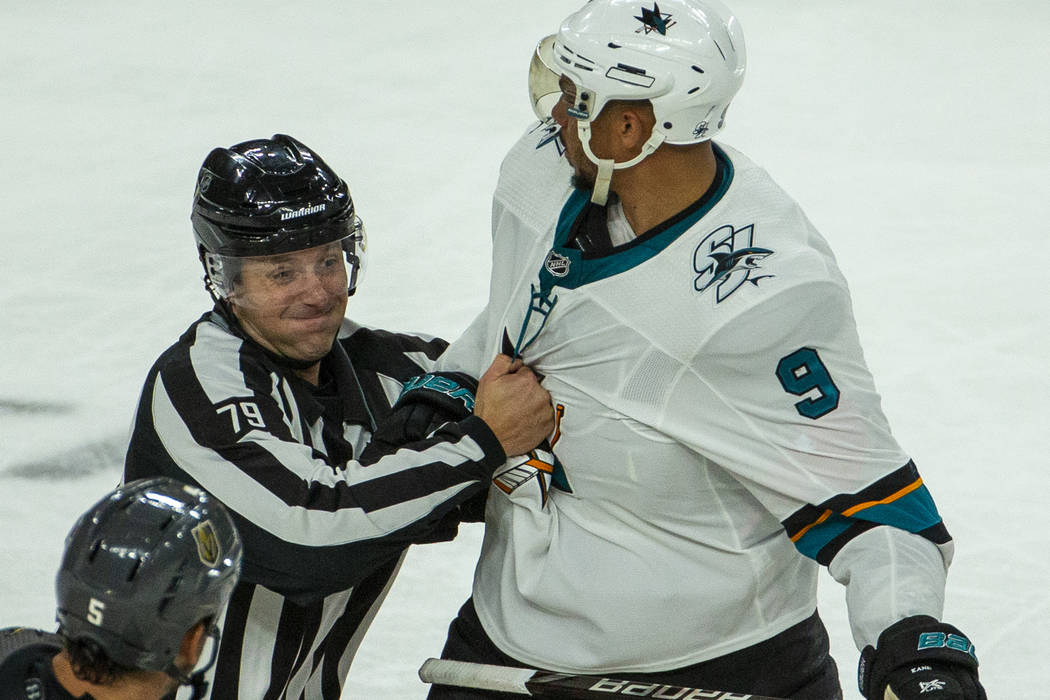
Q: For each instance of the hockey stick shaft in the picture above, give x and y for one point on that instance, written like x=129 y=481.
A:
x=548 y=684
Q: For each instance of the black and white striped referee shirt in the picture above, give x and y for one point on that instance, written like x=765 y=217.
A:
x=324 y=534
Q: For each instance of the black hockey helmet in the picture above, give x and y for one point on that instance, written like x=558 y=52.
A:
x=270 y=196
x=142 y=567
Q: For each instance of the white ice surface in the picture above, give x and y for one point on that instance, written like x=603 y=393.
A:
x=915 y=135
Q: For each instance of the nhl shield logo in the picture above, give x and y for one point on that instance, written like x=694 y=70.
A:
x=557 y=265
x=207 y=543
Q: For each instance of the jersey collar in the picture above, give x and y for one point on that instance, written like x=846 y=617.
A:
x=566 y=266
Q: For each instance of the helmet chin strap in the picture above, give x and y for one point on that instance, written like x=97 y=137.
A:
x=600 y=193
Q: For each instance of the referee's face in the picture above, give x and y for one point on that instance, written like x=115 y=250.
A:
x=293 y=303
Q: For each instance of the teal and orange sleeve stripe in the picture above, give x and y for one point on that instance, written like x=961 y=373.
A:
x=899 y=500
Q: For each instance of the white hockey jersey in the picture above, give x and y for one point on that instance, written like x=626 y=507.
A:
x=715 y=422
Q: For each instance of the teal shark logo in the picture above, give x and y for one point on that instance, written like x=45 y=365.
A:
x=654 y=21
x=726 y=258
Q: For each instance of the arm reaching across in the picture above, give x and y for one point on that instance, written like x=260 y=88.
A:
x=509 y=399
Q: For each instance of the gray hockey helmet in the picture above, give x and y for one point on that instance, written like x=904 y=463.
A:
x=143 y=566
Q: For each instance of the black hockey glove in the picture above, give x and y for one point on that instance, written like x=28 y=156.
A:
x=919 y=658
x=426 y=402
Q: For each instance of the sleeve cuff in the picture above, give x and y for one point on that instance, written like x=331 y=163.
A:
x=479 y=431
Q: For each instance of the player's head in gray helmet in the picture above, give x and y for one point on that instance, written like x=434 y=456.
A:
x=146 y=573
x=666 y=70
x=281 y=243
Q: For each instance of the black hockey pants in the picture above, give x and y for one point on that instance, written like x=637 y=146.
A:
x=794 y=664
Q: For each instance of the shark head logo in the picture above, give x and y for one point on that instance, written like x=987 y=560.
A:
x=550 y=132
x=726 y=258
x=654 y=21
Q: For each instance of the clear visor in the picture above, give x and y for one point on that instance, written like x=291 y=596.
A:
x=333 y=268
x=544 y=92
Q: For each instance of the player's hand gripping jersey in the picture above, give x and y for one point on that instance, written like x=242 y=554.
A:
x=716 y=422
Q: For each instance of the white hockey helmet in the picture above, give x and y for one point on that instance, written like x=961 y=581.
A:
x=686 y=57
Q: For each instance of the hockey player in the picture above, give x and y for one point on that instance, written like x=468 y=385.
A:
x=146 y=573
x=270 y=401
x=718 y=435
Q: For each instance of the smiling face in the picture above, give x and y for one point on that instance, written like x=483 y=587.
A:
x=293 y=303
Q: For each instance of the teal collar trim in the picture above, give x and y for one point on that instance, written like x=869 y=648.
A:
x=566 y=267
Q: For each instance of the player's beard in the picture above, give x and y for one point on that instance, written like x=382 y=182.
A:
x=580 y=179
x=583 y=176
x=582 y=182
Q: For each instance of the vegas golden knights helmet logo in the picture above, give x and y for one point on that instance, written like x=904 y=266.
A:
x=207 y=543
